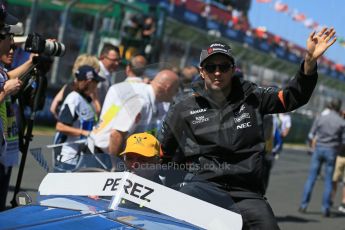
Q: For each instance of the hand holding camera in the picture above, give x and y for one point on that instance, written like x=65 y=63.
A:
x=12 y=86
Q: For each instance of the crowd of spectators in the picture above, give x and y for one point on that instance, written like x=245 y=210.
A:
x=234 y=15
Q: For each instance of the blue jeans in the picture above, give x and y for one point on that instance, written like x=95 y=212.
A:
x=321 y=155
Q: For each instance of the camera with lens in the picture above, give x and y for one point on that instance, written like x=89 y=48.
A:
x=35 y=43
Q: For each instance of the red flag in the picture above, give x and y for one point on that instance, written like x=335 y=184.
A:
x=264 y=1
x=309 y=23
x=298 y=17
x=315 y=25
x=281 y=7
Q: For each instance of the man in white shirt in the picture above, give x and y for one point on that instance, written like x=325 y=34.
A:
x=130 y=108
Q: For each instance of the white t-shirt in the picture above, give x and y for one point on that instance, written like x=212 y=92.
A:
x=76 y=111
x=128 y=107
x=134 y=79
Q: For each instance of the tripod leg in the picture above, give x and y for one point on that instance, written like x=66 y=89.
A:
x=24 y=150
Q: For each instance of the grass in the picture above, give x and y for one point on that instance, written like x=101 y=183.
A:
x=43 y=130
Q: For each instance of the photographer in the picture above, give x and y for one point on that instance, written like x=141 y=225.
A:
x=9 y=85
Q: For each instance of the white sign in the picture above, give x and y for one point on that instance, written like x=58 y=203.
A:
x=125 y=185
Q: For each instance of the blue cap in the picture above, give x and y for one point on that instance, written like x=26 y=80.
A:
x=86 y=72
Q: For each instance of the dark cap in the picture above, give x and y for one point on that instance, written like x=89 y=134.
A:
x=335 y=104
x=86 y=72
x=6 y=17
x=8 y=23
x=216 y=48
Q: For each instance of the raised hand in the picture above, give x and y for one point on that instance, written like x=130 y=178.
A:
x=318 y=43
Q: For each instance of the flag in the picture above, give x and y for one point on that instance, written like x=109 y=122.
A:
x=315 y=26
x=263 y=1
x=281 y=7
x=298 y=16
x=309 y=23
x=341 y=41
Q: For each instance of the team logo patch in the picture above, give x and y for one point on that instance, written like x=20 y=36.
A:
x=89 y=75
x=242 y=108
x=241 y=117
x=138 y=141
x=200 y=119
x=244 y=125
x=198 y=111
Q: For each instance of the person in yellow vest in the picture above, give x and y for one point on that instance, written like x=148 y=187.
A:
x=9 y=85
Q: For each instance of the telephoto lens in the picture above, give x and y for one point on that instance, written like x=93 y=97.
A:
x=54 y=48
x=35 y=43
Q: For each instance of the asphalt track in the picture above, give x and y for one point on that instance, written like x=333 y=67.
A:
x=287 y=179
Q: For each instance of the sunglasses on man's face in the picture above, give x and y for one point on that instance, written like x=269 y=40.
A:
x=224 y=67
